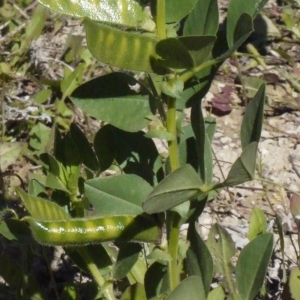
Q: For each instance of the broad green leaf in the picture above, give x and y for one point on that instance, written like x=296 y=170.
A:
x=133 y=152
x=236 y=9
x=294 y=283
x=199 y=47
x=251 y=267
x=105 y=96
x=222 y=249
x=156 y=280
x=135 y=292
x=42 y=209
x=203 y=19
x=173 y=54
x=85 y=150
x=189 y=288
x=122 y=194
x=216 y=294
x=119 y=48
x=253 y=119
x=198 y=258
x=178 y=9
x=178 y=187
x=126 y=13
x=9 y=153
x=258 y=224
x=127 y=257
x=242 y=169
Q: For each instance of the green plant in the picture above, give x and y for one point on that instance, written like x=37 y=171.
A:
x=153 y=195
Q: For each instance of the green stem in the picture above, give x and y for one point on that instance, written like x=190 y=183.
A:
x=171 y=128
x=106 y=288
x=190 y=73
x=173 y=218
x=161 y=19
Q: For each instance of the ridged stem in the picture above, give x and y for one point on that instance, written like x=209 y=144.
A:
x=173 y=218
x=161 y=19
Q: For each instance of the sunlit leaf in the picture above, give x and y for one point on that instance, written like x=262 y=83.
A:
x=42 y=209
x=258 y=224
x=119 y=48
x=125 y=12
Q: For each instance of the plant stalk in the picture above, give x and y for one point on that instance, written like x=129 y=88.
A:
x=106 y=288
x=171 y=128
x=161 y=19
x=190 y=73
x=173 y=218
